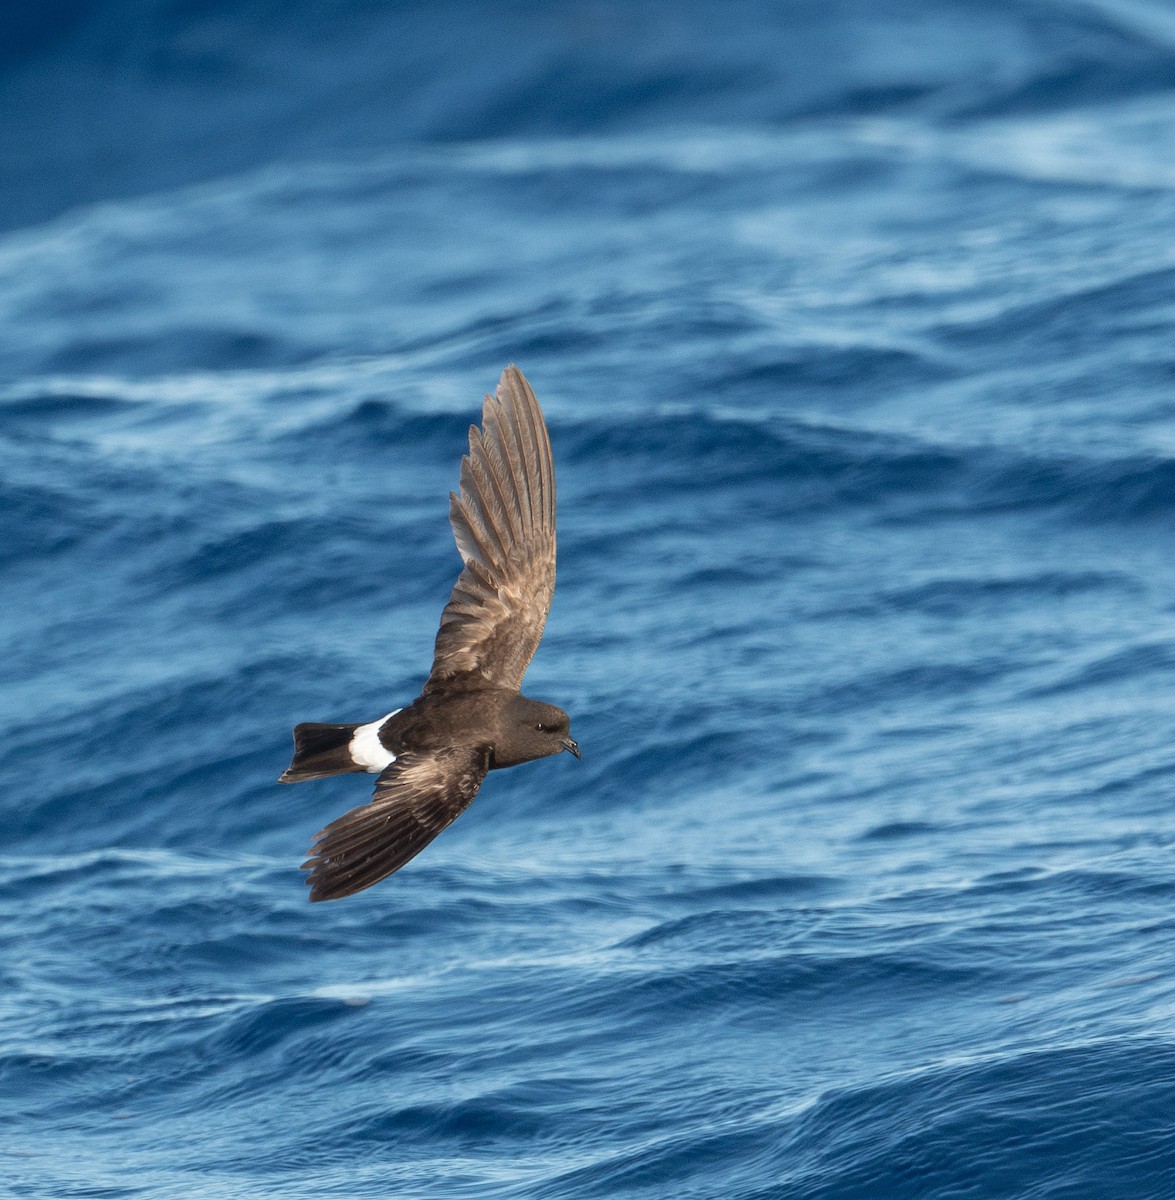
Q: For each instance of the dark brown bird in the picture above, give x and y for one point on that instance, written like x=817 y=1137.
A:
x=470 y=717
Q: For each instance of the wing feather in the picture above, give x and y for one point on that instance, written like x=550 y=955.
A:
x=417 y=797
x=504 y=525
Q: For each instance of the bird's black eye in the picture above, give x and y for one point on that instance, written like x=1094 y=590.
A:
x=541 y=728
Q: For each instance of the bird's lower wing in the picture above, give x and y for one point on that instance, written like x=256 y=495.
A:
x=416 y=798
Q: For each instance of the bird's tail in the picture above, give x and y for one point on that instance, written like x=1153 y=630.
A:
x=319 y=751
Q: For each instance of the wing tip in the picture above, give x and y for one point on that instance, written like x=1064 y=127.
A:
x=321 y=890
x=514 y=388
x=329 y=881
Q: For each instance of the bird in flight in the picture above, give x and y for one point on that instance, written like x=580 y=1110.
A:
x=471 y=716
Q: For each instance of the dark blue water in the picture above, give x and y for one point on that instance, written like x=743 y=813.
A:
x=853 y=326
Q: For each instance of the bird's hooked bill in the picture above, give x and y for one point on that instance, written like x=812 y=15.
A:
x=573 y=746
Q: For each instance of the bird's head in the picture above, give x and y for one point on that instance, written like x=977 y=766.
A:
x=533 y=730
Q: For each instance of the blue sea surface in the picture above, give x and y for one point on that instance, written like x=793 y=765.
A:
x=853 y=324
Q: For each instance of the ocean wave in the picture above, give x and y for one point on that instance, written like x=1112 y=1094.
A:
x=978 y=1109
x=850 y=326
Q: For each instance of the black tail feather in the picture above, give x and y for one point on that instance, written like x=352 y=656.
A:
x=319 y=751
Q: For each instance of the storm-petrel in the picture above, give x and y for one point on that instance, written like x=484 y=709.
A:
x=470 y=718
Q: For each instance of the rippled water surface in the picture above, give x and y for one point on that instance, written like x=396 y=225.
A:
x=853 y=327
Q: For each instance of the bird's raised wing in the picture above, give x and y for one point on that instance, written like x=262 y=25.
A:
x=504 y=523
x=416 y=798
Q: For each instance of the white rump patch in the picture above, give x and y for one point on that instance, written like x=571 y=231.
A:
x=367 y=751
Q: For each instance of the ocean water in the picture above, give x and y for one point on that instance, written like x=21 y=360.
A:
x=853 y=326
